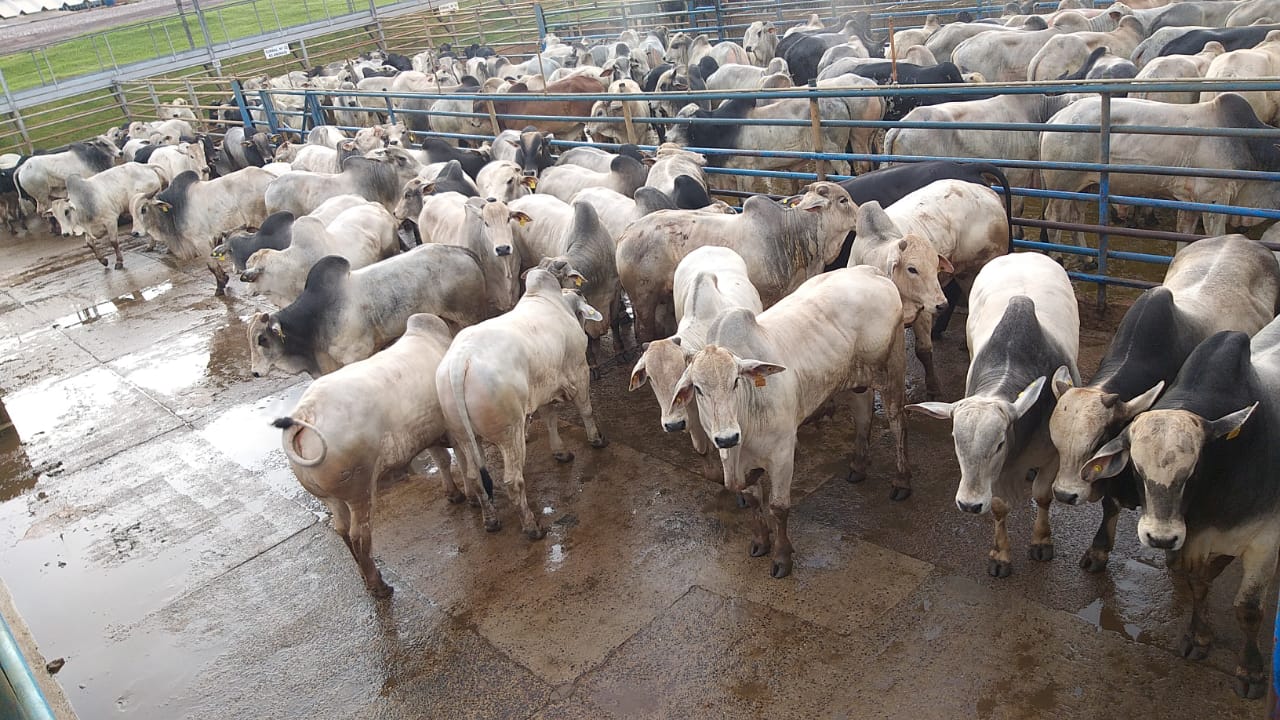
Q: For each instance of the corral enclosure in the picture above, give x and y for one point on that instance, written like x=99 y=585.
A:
x=158 y=541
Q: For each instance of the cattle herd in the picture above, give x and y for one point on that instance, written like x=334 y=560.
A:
x=477 y=283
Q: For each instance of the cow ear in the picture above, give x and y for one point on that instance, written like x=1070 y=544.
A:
x=428 y=188
x=548 y=137
x=771 y=30
x=1228 y=426
x=164 y=206
x=757 y=371
x=1108 y=461
x=945 y=266
x=1062 y=381
x=584 y=310
x=1028 y=397
x=638 y=375
x=521 y=218
x=1142 y=403
x=936 y=410
x=684 y=391
x=512 y=143
x=578 y=278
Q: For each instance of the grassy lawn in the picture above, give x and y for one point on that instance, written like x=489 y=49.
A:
x=157 y=38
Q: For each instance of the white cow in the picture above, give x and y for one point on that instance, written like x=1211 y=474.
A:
x=760 y=375
x=497 y=373
x=341 y=462
x=96 y=203
x=708 y=281
x=1023 y=325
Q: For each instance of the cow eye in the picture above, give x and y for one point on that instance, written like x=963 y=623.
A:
x=262 y=341
x=735 y=382
x=999 y=446
x=697 y=390
x=913 y=271
x=844 y=201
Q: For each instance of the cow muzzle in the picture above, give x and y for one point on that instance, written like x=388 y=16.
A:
x=977 y=508
x=502 y=250
x=1066 y=497
x=676 y=426
x=728 y=440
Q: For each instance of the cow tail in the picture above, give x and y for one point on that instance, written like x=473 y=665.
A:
x=998 y=174
x=292 y=427
x=457 y=376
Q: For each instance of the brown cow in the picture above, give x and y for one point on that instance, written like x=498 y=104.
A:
x=577 y=84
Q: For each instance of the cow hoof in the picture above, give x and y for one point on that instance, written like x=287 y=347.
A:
x=536 y=533
x=1193 y=650
x=600 y=442
x=1250 y=685
x=780 y=569
x=595 y=374
x=382 y=590
x=1094 y=561
x=855 y=476
x=898 y=493
x=563 y=457
x=120 y=265
x=999 y=568
x=220 y=292
x=741 y=500
x=103 y=261
x=493 y=527
x=1041 y=552
x=759 y=549
x=474 y=501
x=937 y=333
x=457 y=498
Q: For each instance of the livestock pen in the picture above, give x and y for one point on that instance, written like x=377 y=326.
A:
x=1154 y=246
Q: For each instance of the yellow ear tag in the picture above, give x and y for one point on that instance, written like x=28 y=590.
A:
x=1097 y=468
x=1234 y=432
x=759 y=380
x=164 y=208
x=577 y=281
x=522 y=221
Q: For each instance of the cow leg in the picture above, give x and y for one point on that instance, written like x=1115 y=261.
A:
x=861 y=404
x=1095 y=558
x=1200 y=576
x=220 y=277
x=513 y=450
x=341 y=520
x=548 y=416
x=1042 y=490
x=440 y=456
x=114 y=239
x=922 y=330
x=756 y=496
x=362 y=547
x=1185 y=221
x=955 y=295
x=1259 y=567
x=893 y=395
x=780 y=472
x=593 y=357
x=97 y=255
x=999 y=564
x=1215 y=224
x=581 y=396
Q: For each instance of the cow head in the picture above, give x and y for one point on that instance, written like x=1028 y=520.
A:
x=836 y=211
x=914 y=263
x=714 y=379
x=533 y=151
x=1164 y=447
x=492 y=220
x=982 y=429
x=410 y=204
x=581 y=309
x=266 y=346
x=1083 y=419
x=504 y=180
x=662 y=364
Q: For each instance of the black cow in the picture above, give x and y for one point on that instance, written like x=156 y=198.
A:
x=275 y=234
x=1208 y=468
x=897 y=106
x=439 y=151
x=1232 y=38
x=533 y=152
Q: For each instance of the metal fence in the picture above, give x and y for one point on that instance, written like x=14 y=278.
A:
x=1133 y=248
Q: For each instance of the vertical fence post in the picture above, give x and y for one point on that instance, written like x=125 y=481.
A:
x=155 y=99
x=1104 y=191
x=541 y=19
x=377 y=23
x=208 y=39
x=118 y=90
x=191 y=96
x=719 y=20
x=628 y=123
x=269 y=111
x=17 y=114
x=302 y=47
x=815 y=122
x=182 y=15
x=238 y=93
x=493 y=118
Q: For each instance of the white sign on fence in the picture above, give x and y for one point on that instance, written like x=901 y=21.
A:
x=448 y=8
x=276 y=51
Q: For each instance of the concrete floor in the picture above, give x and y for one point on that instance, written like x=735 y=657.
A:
x=152 y=535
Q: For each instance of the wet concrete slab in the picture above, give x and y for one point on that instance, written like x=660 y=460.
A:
x=93 y=551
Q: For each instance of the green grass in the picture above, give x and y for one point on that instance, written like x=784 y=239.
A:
x=158 y=38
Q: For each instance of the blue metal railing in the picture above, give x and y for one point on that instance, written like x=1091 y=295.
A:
x=315 y=103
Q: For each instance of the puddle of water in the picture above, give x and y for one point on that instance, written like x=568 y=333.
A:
x=1101 y=615
x=182 y=362
x=110 y=308
x=244 y=433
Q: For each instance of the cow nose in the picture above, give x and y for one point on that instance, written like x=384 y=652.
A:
x=503 y=250
x=975 y=508
x=724 y=442
x=679 y=425
x=1067 y=498
x=530 y=173
x=1162 y=543
x=257 y=374
x=940 y=307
